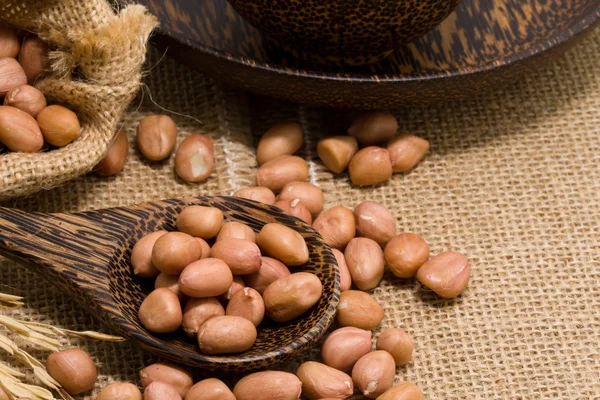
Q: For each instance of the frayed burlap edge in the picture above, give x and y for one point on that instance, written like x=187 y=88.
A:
x=95 y=70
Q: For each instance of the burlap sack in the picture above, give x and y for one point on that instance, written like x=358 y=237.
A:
x=95 y=71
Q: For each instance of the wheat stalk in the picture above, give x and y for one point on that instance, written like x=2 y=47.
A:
x=41 y=336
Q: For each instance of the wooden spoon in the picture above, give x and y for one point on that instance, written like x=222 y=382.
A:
x=87 y=255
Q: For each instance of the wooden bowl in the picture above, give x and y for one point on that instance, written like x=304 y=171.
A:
x=482 y=45
x=88 y=255
x=340 y=31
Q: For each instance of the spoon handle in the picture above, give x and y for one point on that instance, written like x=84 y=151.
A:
x=72 y=251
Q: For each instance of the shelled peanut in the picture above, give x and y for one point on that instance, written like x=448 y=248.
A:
x=26 y=121
x=195 y=279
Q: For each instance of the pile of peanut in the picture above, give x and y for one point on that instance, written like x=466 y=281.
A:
x=27 y=123
x=228 y=288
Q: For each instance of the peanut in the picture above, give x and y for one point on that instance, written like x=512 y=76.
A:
x=242 y=256
x=447 y=274
x=173 y=375
x=26 y=98
x=336 y=225
x=406 y=151
x=358 y=309
x=257 y=193
x=210 y=389
x=310 y=196
x=197 y=312
x=336 y=152
x=396 y=342
x=247 y=303
x=141 y=256
x=345 y=277
x=374 y=373
x=365 y=262
x=374 y=221
x=373 y=127
x=319 y=380
x=33 y=58
x=160 y=312
x=19 y=131
x=296 y=209
x=208 y=277
x=345 y=346
x=370 y=166
x=115 y=158
x=194 y=158
x=73 y=369
x=156 y=136
x=174 y=251
x=59 y=125
x=291 y=296
x=200 y=221
x=276 y=173
x=275 y=385
x=281 y=139
x=270 y=270
x=236 y=230
x=226 y=334
x=283 y=243
x=405 y=253
x=402 y=391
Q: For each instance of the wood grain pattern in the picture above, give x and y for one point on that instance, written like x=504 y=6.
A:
x=88 y=255
x=482 y=45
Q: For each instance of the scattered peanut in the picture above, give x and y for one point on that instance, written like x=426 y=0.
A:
x=336 y=152
x=406 y=151
x=319 y=380
x=161 y=391
x=197 y=312
x=291 y=296
x=199 y=221
x=396 y=342
x=336 y=225
x=281 y=139
x=210 y=389
x=204 y=246
x=119 y=390
x=26 y=98
x=73 y=369
x=447 y=274
x=405 y=253
x=257 y=193
x=276 y=173
x=170 y=374
x=370 y=166
x=345 y=346
x=373 y=127
x=116 y=156
x=403 y=391
x=226 y=334
x=310 y=196
x=194 y=158
x=275 y=385
x=374 y=221
x=242 y=256
x=358 y=309
x=364 y=259
x=208 y=277
x=156 y=136
x=283 y=243
x=160 y=311
x=374 y=373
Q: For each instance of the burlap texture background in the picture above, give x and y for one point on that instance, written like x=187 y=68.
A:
x=94 y=69
x=512 y=180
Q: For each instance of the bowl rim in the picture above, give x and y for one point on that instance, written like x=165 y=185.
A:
x=582 y=25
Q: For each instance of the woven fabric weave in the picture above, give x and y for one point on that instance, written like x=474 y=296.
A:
x=512 y=180
x=95 y=70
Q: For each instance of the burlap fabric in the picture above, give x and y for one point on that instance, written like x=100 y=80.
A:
x=512 y=180
x=95 y=70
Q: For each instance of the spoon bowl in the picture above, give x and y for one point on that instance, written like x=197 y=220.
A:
x=88 y=255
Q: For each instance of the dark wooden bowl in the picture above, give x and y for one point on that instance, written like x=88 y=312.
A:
x=483 y=44
x=342 y=32
x=88 y=255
